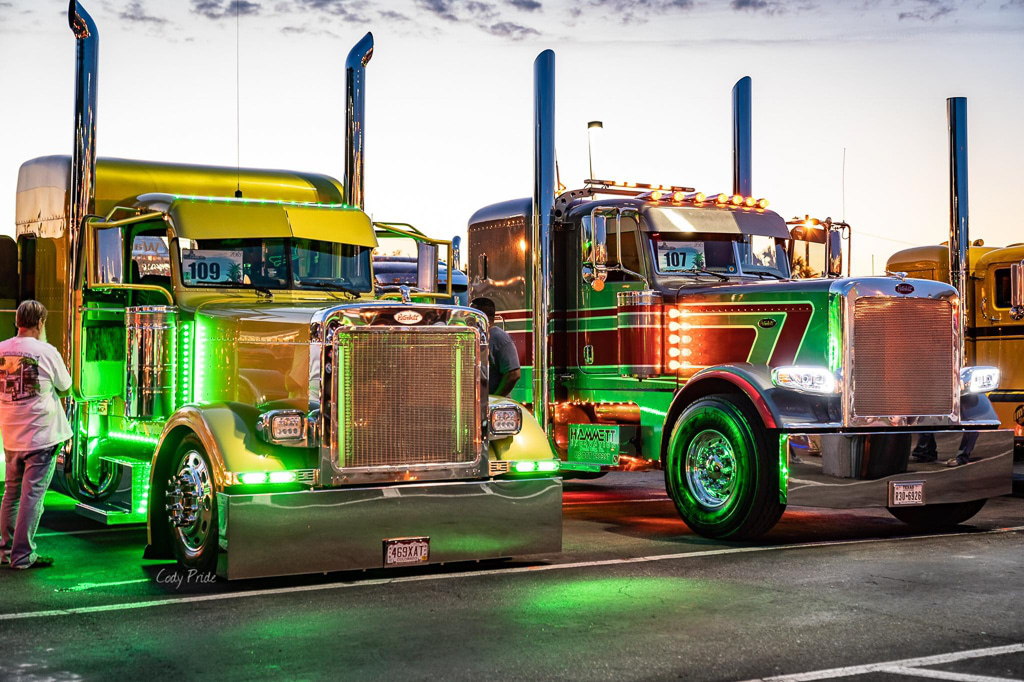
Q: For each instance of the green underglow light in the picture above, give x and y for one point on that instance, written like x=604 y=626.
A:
x=133 y=437
x=282 y=476
x=253 y=478
x=551 y=465
x=525 y=467
x=186 y=364
x=783 y=468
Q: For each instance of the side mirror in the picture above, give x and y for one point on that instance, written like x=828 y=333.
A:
x=107 y=265
x=426 y=267
x=594 y=249
x=1017 y=291
x=455 y=254
x=835 y=253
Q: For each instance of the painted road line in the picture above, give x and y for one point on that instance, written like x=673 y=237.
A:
x=945 y=675
x=476 y=574
x=907 y=664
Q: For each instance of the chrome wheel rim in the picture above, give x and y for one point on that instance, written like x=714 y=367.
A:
x=190 y=503
x=711 y=469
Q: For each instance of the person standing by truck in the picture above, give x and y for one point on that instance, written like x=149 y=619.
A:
x=33 y=378
x=504 y=359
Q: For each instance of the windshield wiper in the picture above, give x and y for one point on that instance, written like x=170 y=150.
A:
x=333 y=287
x=762 y=273
x=705 y=271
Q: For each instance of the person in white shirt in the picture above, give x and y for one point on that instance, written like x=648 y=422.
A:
x=33 y=425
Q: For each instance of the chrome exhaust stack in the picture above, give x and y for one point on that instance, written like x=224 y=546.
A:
x=355 y=119
x=82 y=199
x=742 y=132
x=540 y=235
x=959 y=235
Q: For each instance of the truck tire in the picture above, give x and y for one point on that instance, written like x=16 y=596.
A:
x=937 y=516
x=720 y=470
x=192 y=507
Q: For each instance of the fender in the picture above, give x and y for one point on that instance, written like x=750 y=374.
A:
x=227 y=431
x=530 y=443
x=741 y=377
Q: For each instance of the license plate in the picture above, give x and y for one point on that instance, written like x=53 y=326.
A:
x=402 y=551
x=906 y=493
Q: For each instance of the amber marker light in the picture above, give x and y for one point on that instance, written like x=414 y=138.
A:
x=678 y=196
x=722 y=199
x=762 y=203
x=656 y=195
x=737 y=199
x=750 y=202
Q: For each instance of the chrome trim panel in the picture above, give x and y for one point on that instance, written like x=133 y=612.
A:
x=854 y=470
x=273 y=534
x=844 y=295
x=151 y=333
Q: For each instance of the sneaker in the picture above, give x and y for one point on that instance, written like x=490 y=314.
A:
x=40 y=562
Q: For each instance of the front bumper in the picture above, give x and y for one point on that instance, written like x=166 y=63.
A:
x=849 y=470
x=342 y=529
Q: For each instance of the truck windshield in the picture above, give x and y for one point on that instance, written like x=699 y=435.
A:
x=678 y=254
x=280 y=263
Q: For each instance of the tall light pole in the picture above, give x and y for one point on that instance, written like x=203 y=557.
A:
x=591 y=127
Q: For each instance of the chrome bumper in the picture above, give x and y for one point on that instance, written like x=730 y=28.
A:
x=843 y=471
x=344 y=529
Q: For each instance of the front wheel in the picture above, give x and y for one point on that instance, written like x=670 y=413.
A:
x=719 y=470
x=937 y=516
x=192 y=507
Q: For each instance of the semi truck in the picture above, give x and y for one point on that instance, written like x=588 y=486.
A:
x=992 y=278
x=237 y=383
x=660 y=325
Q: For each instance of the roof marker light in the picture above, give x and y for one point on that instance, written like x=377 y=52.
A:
x=722 y=199
x=762 y=203
x=737 y=199
x=678 y=196
x=750 y=202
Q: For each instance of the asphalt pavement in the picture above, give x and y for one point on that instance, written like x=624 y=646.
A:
x=633 y=596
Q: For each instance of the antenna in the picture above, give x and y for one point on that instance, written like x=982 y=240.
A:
x=238 y=108
x=844 y=185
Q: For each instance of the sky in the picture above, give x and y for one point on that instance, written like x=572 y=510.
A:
x=449 y=99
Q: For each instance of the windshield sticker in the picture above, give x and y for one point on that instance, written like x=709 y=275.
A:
x=680 y=256
x=207 y=266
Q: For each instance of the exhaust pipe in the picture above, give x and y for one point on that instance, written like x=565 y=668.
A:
x=742 y=128
x=959 y=235
x=83 y=157
x=540 y=236
x=355 y=115
x=82 y=201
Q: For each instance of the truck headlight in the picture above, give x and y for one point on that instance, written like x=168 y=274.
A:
x=807 y=379
x=979 y=379
x=505 y=420
x=286 y=427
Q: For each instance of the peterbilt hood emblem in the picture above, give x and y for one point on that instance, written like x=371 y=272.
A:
x=904 y=288
x=408 y=317
x=766 y=322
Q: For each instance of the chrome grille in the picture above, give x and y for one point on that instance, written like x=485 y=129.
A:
x=903 y=357
x=406 y=397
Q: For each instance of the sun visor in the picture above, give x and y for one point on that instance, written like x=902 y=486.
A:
x=715 y=221
x=348 y=226
x=218 y=219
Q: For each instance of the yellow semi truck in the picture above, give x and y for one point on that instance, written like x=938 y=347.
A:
x=238 y=384
x=992 y=281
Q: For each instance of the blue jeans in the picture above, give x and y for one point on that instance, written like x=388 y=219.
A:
x=28 y=476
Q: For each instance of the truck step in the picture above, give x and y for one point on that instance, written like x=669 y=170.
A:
x=130 y=504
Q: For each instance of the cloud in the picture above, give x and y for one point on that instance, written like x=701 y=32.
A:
x=134 y=12
x=392 y=15
x=219 y=9
x=439 y=8
x=532 y=5
x=766 y=6
x=928 y=10
x=352 y=10
x=507 y=29
x=639 y=11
